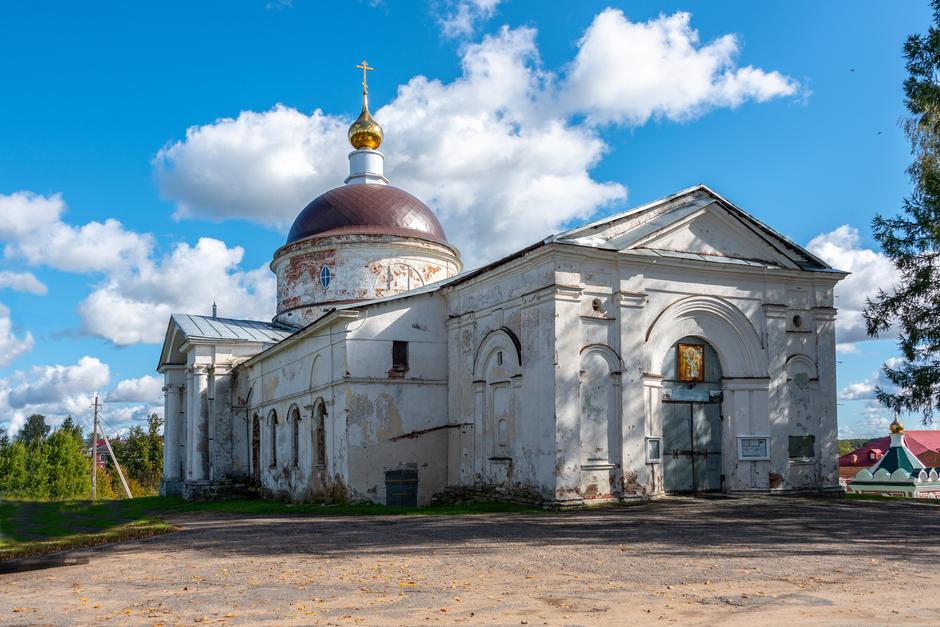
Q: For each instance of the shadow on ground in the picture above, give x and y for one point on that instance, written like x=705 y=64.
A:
x=763 y=528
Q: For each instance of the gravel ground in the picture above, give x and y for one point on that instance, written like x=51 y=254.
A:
x=766 y=561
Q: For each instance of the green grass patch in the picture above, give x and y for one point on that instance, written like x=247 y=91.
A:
x=33 y=527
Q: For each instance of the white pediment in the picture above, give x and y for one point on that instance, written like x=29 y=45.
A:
x=698 y=224
x=713 y=232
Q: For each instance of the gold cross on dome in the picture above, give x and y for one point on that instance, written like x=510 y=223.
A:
x=364 y=66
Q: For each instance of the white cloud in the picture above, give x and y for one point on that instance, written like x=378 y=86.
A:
x=56 y=384
x=865 y=390
x=870 y=425
x=859 y=391
x=474 y=150
x=263 y=166
x=483 y=152
x=139 y=290
x=134 y=305
x=32 y=227
x=460 y=18
x=629 y=72
x=24 y=213
x=93 y=247
x=12 y=345
x=500 y=146
x=57 y=391
x=145 y=389
x=870 y=270
x=22 y=282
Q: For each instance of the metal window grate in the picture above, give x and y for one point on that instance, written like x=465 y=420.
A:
x=401 y=488
x=400 y=355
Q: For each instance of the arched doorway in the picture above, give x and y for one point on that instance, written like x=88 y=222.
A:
x=691 y=413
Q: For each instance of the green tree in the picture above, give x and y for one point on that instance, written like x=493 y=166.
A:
x=13 y=468
x=912 y=241
x=67 y=471
x=140 y=454
x=70 y=426
x=34 y=430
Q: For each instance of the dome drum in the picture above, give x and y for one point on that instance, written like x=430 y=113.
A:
x=321 y=272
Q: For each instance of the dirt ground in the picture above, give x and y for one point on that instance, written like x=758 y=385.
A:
x=732 y=561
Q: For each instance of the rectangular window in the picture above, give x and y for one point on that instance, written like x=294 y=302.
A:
x=802 y=447
x=654 y=450
x=399 y=355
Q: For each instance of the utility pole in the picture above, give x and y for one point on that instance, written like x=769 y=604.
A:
x=94 y=453
x=117 y=466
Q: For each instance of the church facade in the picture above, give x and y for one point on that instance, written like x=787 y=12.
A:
x=679 y=347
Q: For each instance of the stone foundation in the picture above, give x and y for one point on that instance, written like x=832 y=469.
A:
x=171 y=487
x=217 y=490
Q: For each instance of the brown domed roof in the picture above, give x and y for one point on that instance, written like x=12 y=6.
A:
x=367 y=209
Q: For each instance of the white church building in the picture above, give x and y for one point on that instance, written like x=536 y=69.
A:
x=678 y=347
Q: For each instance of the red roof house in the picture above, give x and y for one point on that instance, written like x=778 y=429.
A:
x=925 y=445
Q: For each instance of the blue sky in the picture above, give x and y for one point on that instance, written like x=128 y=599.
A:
x=94 y=91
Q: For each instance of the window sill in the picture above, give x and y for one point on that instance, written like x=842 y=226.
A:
x=799 y=461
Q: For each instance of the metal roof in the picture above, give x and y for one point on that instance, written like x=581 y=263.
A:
x=380 y=209
x=209 y=328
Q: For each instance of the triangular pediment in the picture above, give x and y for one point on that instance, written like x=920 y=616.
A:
x=713 y=233
x=697 y=224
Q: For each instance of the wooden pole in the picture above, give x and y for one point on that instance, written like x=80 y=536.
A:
x=127 y=490
x=94 y=454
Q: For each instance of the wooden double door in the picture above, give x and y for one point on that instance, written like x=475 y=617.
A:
x=691 y=447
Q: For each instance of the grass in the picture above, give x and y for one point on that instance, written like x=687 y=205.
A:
x=35 y=527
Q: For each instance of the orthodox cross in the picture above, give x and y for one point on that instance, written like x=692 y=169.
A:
x=364 y=66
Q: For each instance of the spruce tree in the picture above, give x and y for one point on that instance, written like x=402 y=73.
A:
x=912 y=241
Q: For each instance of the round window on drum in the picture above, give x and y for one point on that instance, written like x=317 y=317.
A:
x=326 y=277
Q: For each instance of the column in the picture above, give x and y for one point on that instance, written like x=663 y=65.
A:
x=171 y=436
x=199 y=425
x=825 y=319
x=634 y=424
x=567 y=343
x=775 y=324
x=190 y=424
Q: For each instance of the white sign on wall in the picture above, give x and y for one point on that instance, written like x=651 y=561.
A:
x=753 y=447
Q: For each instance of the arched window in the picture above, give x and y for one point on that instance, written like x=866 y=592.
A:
x=272 y=419
x=319 y=433
x=295 y=437
x=256 y=447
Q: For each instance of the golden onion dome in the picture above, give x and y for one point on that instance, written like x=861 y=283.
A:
x=365 y=132
x=897 y=427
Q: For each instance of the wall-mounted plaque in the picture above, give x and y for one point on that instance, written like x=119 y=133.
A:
x=654 y=450
x=690 y=362
x=753 y=447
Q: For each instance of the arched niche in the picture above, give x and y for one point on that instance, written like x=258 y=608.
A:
x=318 y=374
x=272 y=438
x=600 y=400
x=318 y=432
x=497 y=376
x=499 y=340
x=293 y=421
x=802 y=413
x=256 y=447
